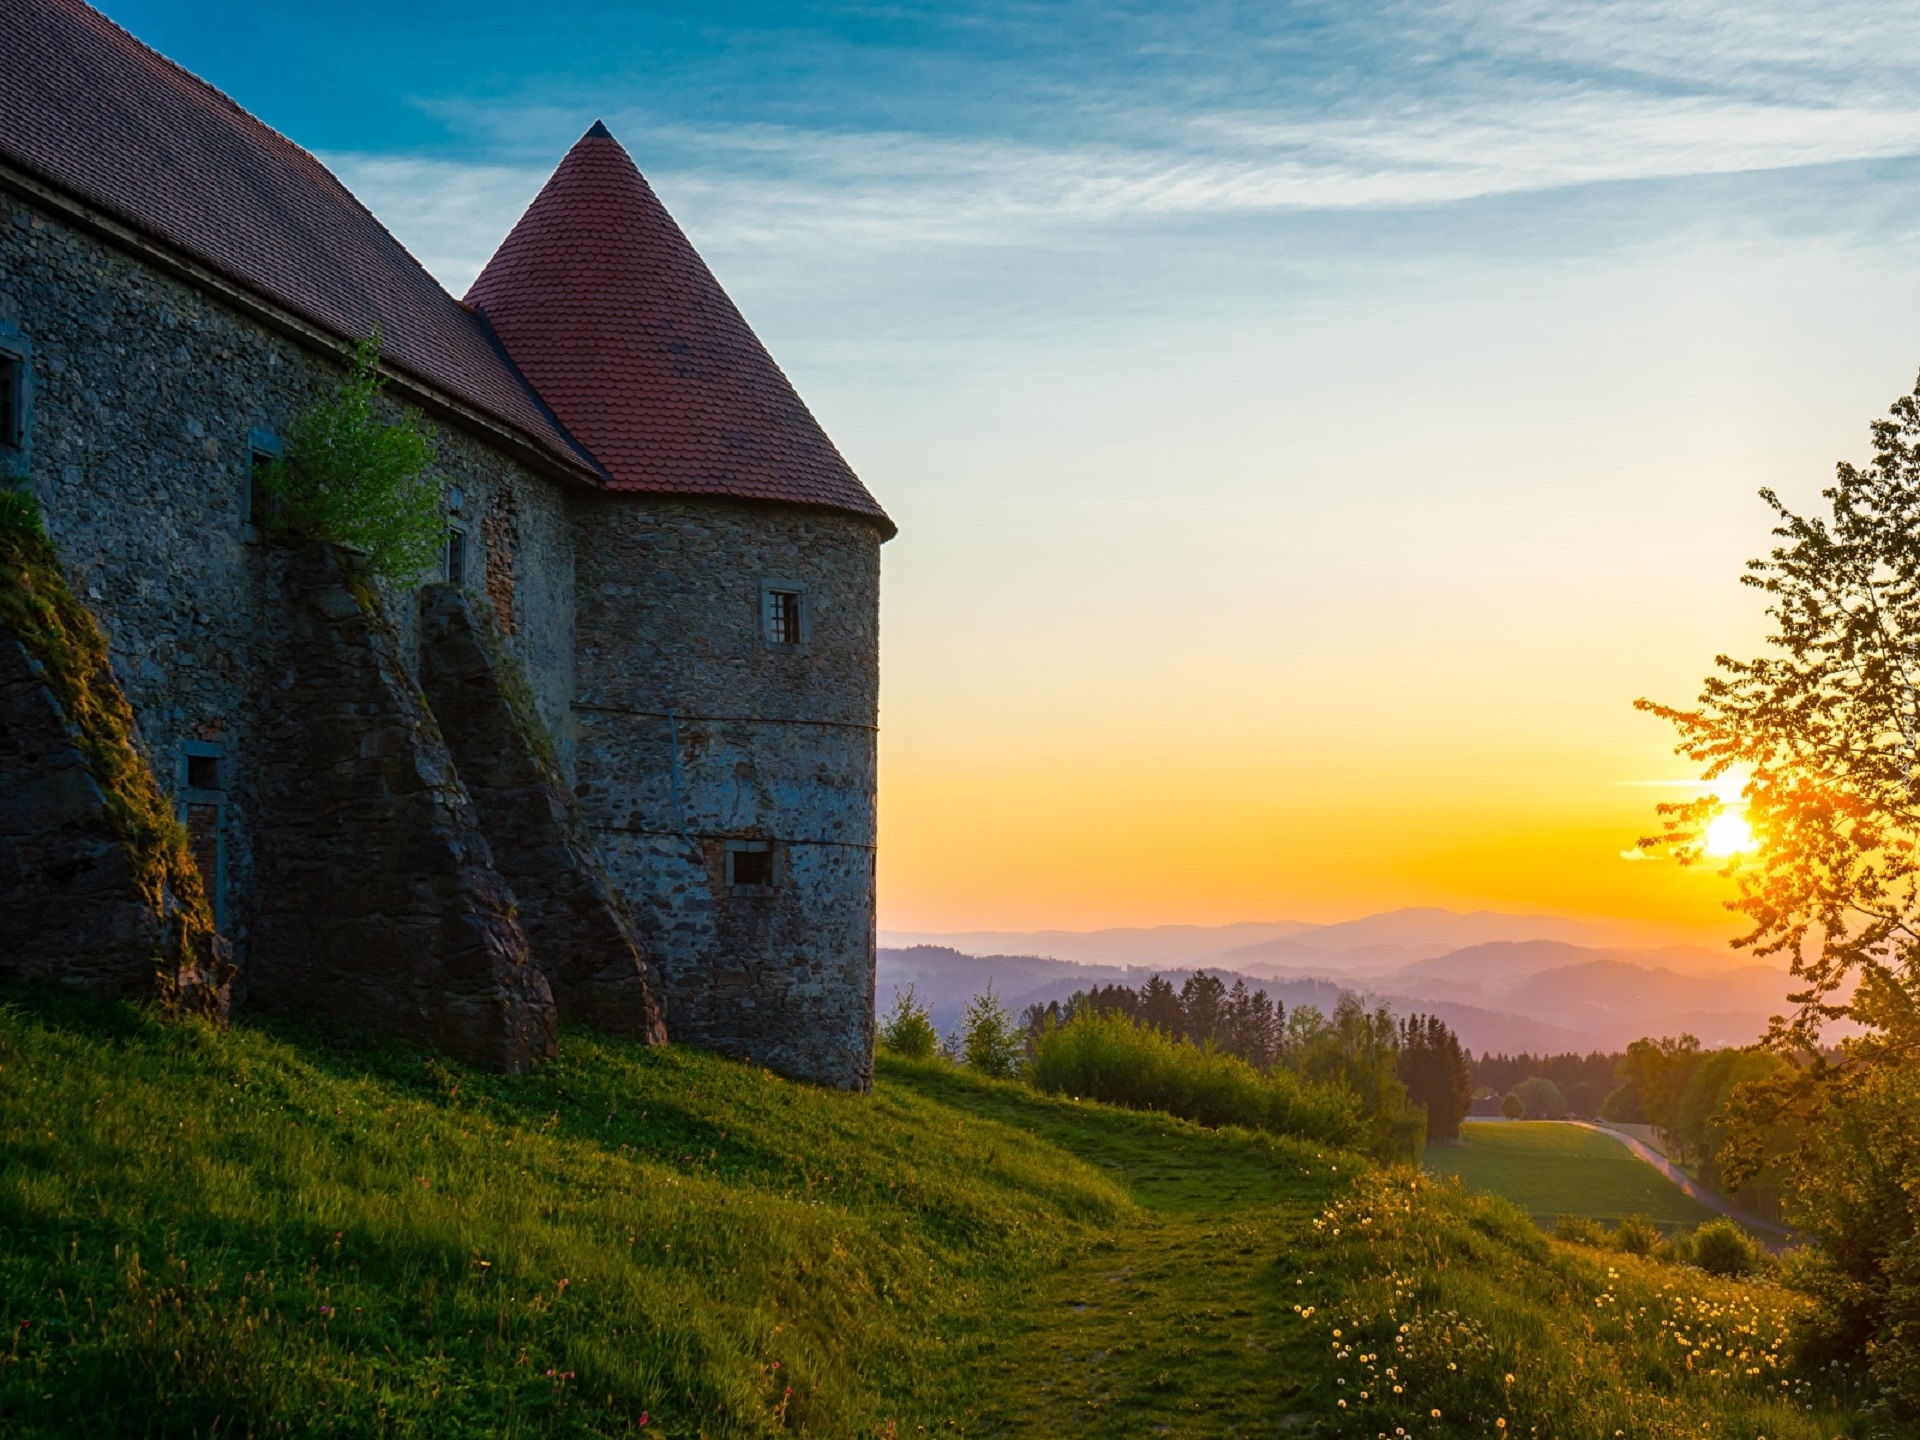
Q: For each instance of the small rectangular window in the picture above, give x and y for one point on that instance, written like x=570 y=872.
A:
x=203 y=772
x=785 y=615
x=200 y=766
x=750 y=865
x=456 y=566
x=12 y=402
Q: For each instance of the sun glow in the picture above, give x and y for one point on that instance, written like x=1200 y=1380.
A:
x=1729 y=834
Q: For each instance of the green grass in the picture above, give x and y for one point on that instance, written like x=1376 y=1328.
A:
x=1550 y=1170
x=284 y=1233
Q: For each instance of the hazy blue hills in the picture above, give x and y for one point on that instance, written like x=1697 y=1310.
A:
x=1499 y=986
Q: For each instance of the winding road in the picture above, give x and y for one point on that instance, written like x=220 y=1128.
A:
x=1693 y=1188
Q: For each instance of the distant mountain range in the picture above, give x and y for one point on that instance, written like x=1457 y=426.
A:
x=1503 y=982
x=1383 y=941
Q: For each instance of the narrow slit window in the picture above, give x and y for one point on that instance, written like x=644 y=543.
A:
x=263 y=504
x=456 y=555
x=259 y=493
x=13 y=419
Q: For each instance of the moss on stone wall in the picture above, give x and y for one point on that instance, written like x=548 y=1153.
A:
x=38 y=608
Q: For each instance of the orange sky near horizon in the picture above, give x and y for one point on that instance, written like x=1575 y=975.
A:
x=1229 y=645
x=1205 y=841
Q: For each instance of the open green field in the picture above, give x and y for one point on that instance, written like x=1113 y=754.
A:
x=286 y=1233
x=1549 y=1170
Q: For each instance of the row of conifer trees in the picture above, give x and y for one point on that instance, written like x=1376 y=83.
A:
x=1407 y=1081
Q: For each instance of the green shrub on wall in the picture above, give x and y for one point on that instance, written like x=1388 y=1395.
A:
x=351 y=477
x=18 y=509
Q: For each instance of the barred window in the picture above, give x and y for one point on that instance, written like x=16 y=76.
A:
x=750 y=867
x=783 y=612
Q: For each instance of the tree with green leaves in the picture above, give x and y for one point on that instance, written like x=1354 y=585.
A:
x=1160 y=1007
x=908 y=1029
x=1823 y=734
x=1653 y=1075
x=1203 y=1008
x=1540 y=1099
x=1253 y=1025
x=1359 y=1048
x=352 y=477
x=1699 y=1130
x=1434 y=1068
x=990 y=1041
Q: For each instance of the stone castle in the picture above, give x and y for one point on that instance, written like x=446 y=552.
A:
x=614 y=764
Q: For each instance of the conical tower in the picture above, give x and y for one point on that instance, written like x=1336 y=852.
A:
x=620 y=326
x=725 y=624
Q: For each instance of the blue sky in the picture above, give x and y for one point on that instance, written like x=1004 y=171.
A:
x=1310 y=425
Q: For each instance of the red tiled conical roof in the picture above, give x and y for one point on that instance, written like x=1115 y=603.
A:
x=614 y=318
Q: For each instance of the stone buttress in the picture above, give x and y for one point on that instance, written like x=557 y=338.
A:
x=377 y=900
x=575 y=922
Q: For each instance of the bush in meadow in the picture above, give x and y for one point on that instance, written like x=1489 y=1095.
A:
x=908 y=1029
x=1636 y=1235
x=1721 y=1247
x=1580 y=1230
x=1675 y=1249
x=1111 y=1057
x=990 y=1042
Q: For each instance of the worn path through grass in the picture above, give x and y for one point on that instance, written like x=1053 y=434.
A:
x=1179 y=1321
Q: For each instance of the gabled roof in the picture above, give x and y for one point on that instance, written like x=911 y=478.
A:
x=93 y=114
x=617 y=322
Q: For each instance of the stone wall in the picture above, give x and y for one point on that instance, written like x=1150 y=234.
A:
x=622 y=611
x=378 y=902
x=146 y=394
x=765 y=744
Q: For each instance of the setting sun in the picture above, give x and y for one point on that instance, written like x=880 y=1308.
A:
x=1729 y=834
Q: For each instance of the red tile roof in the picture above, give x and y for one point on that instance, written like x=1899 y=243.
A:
x=609 y=312
x=91 y=112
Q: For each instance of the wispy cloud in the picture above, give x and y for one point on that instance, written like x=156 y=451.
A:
x=753 y=186
x=1154 y=118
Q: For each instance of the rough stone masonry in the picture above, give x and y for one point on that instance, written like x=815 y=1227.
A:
x=613 y=762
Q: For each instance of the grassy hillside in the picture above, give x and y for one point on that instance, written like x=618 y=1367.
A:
x=1550 y=1170
x=269 y=1233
